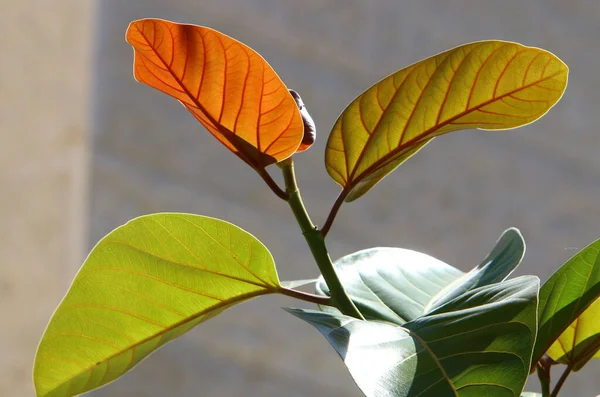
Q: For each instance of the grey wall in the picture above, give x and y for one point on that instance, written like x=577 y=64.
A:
x=452 y=200
x=45 y=85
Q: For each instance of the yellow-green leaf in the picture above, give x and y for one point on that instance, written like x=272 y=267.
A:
x=143 y=285
x=581 y=340
x=491 y=85
x=565 y=296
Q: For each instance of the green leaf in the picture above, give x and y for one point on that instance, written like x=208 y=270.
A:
x=492 y=85
x=497 y=266
x=566 y=295
x=479 y=344
x=143 y=285
x=399 y=285
x=581 y=340
x=390 y=284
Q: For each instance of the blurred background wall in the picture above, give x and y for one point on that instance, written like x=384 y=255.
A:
x=46 y=80
x=85 y=148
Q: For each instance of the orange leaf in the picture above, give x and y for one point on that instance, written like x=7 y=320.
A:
x=226 y=85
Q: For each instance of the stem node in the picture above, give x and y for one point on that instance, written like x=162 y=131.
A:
x=316 y=242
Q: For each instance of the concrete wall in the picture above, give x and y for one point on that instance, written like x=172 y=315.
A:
x=452 y=200
x=45 y=91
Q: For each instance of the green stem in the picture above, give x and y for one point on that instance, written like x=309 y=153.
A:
x=305 y=296
x=333 y=212
x=543 y=373
x=272 y=184
x=561 y=381
x=316 y=243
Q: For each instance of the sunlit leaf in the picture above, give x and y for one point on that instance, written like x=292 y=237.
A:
x=479 y=344
x=581 y=340
x=226 y=85
x=530 y=394
x=489 y=85
x=566 y=295
x=143 y=285
x=398 y=285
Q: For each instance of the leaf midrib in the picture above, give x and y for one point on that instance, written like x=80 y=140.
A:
x=434 y=358
x=210 y=271
x=354 y=180
x=221 y=305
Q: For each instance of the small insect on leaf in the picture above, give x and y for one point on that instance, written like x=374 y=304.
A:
x=226 y=85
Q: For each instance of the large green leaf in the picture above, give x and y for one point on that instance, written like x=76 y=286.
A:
x=398 y=285
x=566 y=295
x=143 y=285
x=581 y=340
x=390 y=284
x=490 y=85
x=478 y=344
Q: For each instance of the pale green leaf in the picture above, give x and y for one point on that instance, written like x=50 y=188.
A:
x=399 y=285
x=478 y=344
x=497 y=266
x=391 y=284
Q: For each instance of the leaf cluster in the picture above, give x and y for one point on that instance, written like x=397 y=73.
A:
x=404 y=323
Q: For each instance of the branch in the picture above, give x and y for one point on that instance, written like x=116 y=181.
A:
x=316 y=242
x=273 y=185
x=561 y=381
x=305 y=296
x=333 y=212
x=543 y=373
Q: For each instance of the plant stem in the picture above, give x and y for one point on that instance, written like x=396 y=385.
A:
x=305 y=296
x=543 y=373
x=561 y=381
x=316 y=243
x=272 y=184
x=333 y=212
